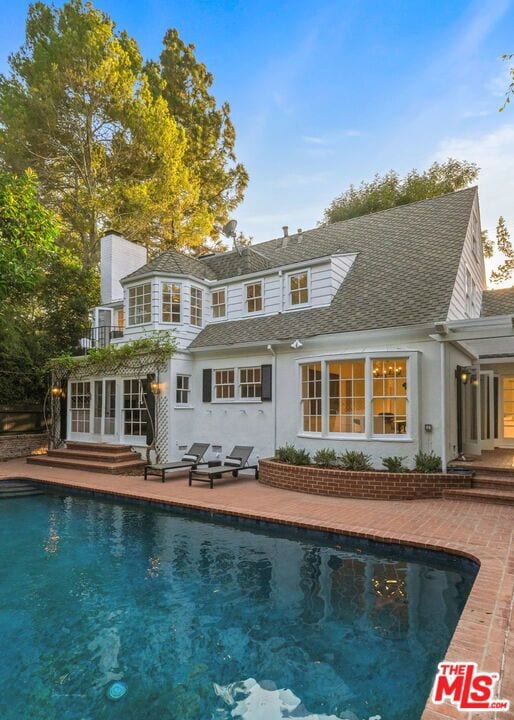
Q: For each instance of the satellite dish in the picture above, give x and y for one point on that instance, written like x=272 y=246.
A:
x=229 y=230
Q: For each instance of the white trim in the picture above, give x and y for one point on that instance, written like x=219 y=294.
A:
x=202 y=306
x=162 y=283
x=221 y=318
x=289 y=275
x=246 y=312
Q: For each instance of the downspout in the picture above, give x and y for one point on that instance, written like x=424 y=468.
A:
x=274 y=395
x=444 y=452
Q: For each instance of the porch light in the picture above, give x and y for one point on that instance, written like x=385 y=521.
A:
x=57 y=391
x=155 y=387
x=474 y=380
x=464 y=376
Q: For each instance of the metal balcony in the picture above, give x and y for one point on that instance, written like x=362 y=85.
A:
x=97 y=337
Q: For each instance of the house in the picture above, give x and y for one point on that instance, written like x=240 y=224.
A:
x=375 y=334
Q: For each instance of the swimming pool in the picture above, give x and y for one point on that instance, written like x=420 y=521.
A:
x=203 y=618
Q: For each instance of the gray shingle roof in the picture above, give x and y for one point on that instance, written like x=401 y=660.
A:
x=498 y=302
x=404 y=273
x=176 y=263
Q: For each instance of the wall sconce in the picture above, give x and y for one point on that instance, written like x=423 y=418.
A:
x=155 y=387
x=474 y=380
x=57 y=391
x=464 y=376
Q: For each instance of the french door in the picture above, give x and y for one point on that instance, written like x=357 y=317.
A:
x=104 y=410
x=487 y=410
x=507 y=410
x=93 y=410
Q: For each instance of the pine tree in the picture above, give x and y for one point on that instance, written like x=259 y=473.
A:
x=505 y=270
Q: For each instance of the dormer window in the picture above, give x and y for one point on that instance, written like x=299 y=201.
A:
x=470 y=294
x=299 y=288
x=140 y=304
x=171 y=303
x=253 y=297
x=219 y=303
x=196 y=306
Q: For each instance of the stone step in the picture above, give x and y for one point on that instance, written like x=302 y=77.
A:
x=126 y=467
x=95 y=455
x=96 y=447
x=484 y=469
x=13 y=488
x=500 y=497
x=505 y=482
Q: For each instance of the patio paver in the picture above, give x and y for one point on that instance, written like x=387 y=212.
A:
x=485 y=632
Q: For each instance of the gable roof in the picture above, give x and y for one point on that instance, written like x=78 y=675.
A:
x=174 y=263
x=498 y=302
x=404 y=272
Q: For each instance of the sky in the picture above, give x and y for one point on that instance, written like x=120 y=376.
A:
x=326 y=93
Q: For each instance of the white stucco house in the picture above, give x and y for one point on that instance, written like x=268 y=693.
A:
x=376 y=334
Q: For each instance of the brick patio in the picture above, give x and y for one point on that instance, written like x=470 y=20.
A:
x=481 y=531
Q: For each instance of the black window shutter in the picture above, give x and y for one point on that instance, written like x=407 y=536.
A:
x=266 y=375
x=150 y=401
x=207 y=385
x=63 y=416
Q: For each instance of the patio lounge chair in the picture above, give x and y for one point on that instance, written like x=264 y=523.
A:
x=191 y=459
x=233 y=463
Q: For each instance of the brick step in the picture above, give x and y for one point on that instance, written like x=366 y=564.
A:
x=96 y=447
x=500 y=497
x=126 y=467
x=484 y=469
x=505 y=482
x=95 y=455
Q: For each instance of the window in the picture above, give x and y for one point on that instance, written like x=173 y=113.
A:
x=311 y=397
x=346 y=396
x=196 y=306
x=389 y=402
x=80 y=406
x=470 y=294
x=140 y=304
x=224 y=385
x=135 y=416
x=219 y=307
x=299 y=288
x=120 y=319
x=183 y=389
x=250 y=383
x=171 y=294
x=254 y=297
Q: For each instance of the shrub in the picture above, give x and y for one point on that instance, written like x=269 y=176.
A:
x=325 y=457
x=293 y=456
x=394 y=464
x=355 y=460
x=428 y=462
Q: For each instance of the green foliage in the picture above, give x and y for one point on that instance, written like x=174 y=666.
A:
x=394 y=464
x=158 y=347
x=27 y=236
x=510 y=89
x=505 y=270
x=355 y=460
x=390 y=190
x=78 y=107
x=293 y=456
x=325 y=457
x=427 y=462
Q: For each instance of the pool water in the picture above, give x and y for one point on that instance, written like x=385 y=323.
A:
x=179 y=617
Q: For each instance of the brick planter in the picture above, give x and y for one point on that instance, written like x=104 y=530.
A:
x=371 y=485
x=14 y=445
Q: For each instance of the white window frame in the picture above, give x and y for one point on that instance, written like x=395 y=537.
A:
x=237 y=384
x=471 y=293
x=141 y=408
x=219 y=317
x=411 y=356
x=131 y=319
x=216 y=385
x=255 y=385
x=171 y=284
x=186 y=391
x=289 y=276
x=246 y=299
x=200 y=307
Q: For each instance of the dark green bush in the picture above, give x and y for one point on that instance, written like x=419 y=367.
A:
x=394 y=464
x=355 y=460
x=428 y=462
x=325 y=457
x=293 y=456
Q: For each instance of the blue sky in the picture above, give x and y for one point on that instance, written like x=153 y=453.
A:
x=328 y=93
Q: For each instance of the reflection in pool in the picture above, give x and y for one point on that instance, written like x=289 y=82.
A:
x=208 y=620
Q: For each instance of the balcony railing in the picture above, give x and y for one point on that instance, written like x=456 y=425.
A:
x=96 y=337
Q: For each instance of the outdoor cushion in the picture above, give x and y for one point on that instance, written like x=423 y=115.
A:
x=190 y=457
x=236 y=462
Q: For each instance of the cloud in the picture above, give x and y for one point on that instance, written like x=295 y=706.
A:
x=313 y=140
x=353 y=133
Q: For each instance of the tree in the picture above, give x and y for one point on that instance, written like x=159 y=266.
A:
x=77 y=107
x=389 y=190
x=185 y=84
x=510 y=89
x=505 y=270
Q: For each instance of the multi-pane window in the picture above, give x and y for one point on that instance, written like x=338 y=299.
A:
x=183 y=389
x=299 y=288
x=346 y=396
x=253 y=297
x=140 y=304
x=219 y=303
x=171 y=295
x=135 y=415
x=311 y=397
x=470 y=294
x=224 y=384
x=250 y=382
x=196 y=306
x=80 y=406
x=389 y=400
